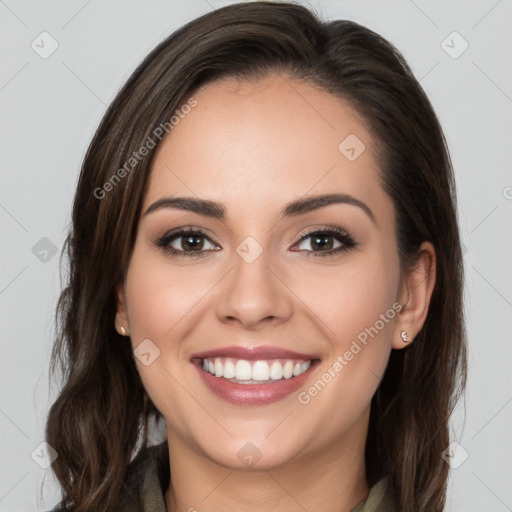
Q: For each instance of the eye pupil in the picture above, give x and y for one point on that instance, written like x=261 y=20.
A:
x=188 y=242
x=317 y=243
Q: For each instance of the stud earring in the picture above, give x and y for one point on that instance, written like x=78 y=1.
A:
x=405 y=337
x=123 y=330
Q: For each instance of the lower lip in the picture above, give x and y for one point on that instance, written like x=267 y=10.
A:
x=253 y=394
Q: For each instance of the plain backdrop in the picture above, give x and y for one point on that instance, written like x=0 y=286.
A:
x=51 y=103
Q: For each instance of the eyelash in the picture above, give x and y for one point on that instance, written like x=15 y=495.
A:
x=343 y=237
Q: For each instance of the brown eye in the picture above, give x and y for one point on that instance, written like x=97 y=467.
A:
x=321 y=242
x=186 y=243
x=191 y=242
x=325 y=242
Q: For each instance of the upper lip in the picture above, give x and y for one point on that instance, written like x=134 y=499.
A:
x=253 y=353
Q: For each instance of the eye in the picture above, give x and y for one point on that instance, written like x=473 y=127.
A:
x=186 y=242
x=193 y=242
x=326 y=242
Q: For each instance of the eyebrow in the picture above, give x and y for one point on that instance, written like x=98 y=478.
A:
x=292 y=209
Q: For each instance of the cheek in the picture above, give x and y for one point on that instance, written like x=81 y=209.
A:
x=355 y=305
x=351 y=298
x=160 y=295
x=158 y=300
x=164 y=305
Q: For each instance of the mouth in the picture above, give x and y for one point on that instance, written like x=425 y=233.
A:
x=257 y=376
x=242 y=371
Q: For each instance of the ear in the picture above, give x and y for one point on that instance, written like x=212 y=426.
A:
x=121 y=313
x=414 y=295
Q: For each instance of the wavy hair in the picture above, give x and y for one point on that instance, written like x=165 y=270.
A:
x=101 y=417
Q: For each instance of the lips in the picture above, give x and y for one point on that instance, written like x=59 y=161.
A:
x=253 y=376
x=254 y=353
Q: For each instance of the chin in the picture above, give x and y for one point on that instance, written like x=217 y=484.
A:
x=250 y=456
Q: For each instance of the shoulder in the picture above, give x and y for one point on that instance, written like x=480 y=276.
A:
x=380 y=498
x=145 y=483
x=146 y=480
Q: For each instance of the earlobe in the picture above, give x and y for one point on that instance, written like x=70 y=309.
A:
x=121 y=321
x=415 y=294
x=405 y=337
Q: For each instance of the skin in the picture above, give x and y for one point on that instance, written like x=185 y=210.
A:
x=254 y=147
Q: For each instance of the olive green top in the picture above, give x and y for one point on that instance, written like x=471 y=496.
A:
x=149 y=475
x=378 y=500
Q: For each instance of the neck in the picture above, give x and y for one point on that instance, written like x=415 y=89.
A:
x=329 y=480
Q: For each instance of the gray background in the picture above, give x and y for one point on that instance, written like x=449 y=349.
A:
x=51 y=106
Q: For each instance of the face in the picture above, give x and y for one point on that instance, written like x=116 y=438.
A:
x=292 y=308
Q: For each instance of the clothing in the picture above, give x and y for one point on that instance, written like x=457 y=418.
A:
x=378 y=500
x=148 y=477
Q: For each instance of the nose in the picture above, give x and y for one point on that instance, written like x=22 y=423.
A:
x=254 y=294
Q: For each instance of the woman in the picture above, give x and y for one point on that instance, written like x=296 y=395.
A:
x=264 y=255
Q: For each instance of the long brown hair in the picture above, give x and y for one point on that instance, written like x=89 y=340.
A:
x=100 y=419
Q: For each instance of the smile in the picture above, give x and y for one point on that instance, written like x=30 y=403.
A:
x=243 y=371
x=252 y=376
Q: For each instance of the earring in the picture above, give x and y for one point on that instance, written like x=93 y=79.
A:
x=405 y=337
x=123 y=330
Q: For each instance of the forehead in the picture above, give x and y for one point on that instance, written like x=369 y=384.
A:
x=254 y=144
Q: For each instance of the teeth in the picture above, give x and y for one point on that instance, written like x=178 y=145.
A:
x=229 y=369
x=288 y=369
x=260 y=370
x=242 y=370
x=255 y=371
x=218 y=368
x=276 y=371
